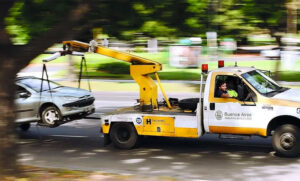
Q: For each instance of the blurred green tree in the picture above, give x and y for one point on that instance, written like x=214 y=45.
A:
x=230 y=18
x=267 y=15
x=239 y=18
x=20 y=24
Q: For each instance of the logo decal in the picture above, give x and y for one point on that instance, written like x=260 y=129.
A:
x=139 y=120
x=219 y=115
x=268 y=107
x=148 y=121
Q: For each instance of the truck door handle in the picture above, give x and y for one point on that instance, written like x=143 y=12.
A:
x=212 y=106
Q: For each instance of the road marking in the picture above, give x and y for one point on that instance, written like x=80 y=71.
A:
x=69 y=136
x=133 y=161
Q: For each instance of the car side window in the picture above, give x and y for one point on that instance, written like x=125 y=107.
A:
x=21 y=90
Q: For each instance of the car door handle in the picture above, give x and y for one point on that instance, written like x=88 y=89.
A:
x=212 y=106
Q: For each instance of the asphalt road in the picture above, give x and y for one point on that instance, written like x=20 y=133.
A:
x=77 y=145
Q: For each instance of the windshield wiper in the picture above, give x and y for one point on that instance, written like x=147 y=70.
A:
x=282 y=89
x=279 y=90
x=271 y=92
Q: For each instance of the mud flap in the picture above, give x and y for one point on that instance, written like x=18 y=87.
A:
x=106 y=139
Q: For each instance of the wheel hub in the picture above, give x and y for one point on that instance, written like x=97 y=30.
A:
x=51 y=116
x=123 y=134
x=287 y=141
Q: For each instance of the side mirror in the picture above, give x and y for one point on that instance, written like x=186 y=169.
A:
x=241 y=92
x=24 y=95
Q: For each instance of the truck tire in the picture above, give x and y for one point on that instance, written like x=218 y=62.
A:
x=189 y=104
x=123 y=135
x=24 y=127
x=286 y=140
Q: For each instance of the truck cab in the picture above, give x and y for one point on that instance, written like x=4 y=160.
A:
x=259 y=107
x=241 y=114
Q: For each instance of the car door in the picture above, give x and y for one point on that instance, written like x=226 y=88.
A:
x=26 y=109
x=231 y=116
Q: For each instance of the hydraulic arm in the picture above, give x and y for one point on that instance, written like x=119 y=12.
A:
x=140 y=70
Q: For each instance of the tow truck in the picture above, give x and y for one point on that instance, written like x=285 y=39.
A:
x=262 y=107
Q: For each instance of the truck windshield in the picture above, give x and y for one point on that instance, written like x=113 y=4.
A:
x=262 y=83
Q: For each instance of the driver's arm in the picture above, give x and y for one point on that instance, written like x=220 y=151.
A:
x=225 y=95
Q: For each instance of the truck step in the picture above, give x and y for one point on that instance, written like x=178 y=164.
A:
x=237 y=137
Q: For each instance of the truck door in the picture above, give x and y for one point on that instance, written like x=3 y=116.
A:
x=229 y=115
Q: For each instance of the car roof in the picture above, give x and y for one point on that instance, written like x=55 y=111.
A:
x=26 y=77
x=235 y=70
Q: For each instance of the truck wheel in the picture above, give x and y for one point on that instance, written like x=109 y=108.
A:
x=24 y=126
x=123 y=135
x=51 y=116
x=286 y=140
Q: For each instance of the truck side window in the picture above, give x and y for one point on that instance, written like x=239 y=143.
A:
x=21 y=89
x=231 y=83
x=249 y=95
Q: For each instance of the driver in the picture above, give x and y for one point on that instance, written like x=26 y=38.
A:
x=222 y=90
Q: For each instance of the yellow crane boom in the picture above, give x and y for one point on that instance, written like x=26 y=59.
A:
x=140 y=70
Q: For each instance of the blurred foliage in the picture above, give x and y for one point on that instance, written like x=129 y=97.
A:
x=115 y=68
x=124 y=19
x=29 y=18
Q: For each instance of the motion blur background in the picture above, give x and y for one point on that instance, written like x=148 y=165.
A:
x=180 y=34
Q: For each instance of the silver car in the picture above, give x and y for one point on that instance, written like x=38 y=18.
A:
x=50 y=107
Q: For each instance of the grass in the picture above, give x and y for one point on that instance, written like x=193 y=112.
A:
x=290 y=76
x=171 y=73
x=108 y=68
x=130 y=87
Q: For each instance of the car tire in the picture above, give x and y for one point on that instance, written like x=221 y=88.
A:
x=51 y=116
x=123 y=135
x=24 y=127
x=286 y=140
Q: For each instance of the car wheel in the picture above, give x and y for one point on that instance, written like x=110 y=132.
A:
x=24 y=126
x=123 y=135
x=286 y=140
x=51 y=116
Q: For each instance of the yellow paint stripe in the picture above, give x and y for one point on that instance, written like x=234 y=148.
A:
x=179 y=132
x=278 y=102
x=238 y=130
